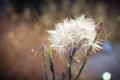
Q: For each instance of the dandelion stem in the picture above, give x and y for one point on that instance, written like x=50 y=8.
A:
x=63 y=76
x=52 y=69
x=51 y=64
x=69 y=68
x=85 y=60
x=44 y=60
x=70 y=62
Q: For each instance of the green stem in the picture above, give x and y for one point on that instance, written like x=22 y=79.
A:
x=63 y=76
x=85 y=61
x=52 y=68
x=42 y=47
x=70 y=62
x=69 y=68
x=46 y=78
x=51 y=64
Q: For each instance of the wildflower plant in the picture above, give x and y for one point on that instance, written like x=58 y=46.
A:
x=74 y=37
x=79 y=33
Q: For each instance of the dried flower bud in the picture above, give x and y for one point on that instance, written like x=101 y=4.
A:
x=99 y=28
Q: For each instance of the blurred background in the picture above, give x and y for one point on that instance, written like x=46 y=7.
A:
x=24 y=25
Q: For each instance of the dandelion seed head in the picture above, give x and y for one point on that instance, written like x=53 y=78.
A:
x=80 y=31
